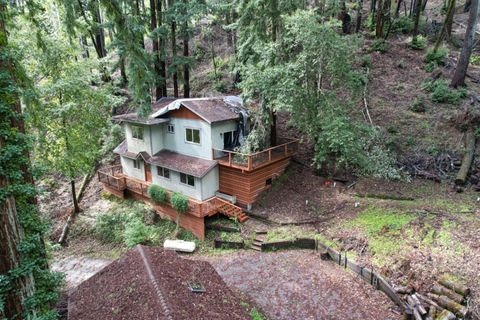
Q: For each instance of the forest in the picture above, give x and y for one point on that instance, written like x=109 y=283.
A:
x=383 y=97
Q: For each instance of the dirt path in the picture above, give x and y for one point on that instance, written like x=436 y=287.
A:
x=78 y=269
x=299 y=285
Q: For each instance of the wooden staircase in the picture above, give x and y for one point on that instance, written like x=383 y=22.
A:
x=260 y=238
x=231 y=210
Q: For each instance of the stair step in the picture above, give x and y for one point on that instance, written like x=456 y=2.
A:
x=261 y=232
x=256 y=242
x=243 y=219
x=257 y=249
x=261 y=237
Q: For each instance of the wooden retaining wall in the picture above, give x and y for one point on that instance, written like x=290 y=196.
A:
x=247 y=186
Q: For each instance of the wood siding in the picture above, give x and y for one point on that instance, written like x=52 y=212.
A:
x=183 y=113
x=247 y=186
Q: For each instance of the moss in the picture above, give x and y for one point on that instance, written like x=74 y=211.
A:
x=375 y=220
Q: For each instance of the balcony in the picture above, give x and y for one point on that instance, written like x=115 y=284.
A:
x=253 y=161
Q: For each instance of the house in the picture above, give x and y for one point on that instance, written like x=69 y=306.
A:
x=151 y=283
x=187 y=146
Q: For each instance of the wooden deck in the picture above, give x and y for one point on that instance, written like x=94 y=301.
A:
x=258 y=160
x=118 y=183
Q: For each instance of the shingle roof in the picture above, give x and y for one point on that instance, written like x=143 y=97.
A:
x=196 y=167
x=209 y=109
x=151 y=283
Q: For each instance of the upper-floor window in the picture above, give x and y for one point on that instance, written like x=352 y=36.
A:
x=171 y=128
x=137 y=132
x=187 y=179
x=163 y=172
x=136 y=164
x=192 y=135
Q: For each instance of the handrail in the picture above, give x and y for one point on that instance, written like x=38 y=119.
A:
x=253 y=161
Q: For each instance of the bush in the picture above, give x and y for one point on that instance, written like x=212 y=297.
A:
x=437 y=57
x=403 y=25
x=475 y=59
x=157 y=193
x=136 y=232
x=179 y=202
x=418 y=105
x=418 y=43
x=109 y=227
x=379 y=45
x=442 y=93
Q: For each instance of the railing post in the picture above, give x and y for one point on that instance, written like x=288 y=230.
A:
x=249 y=162
x=269 y=155
x=286 y=149
x=229 y=158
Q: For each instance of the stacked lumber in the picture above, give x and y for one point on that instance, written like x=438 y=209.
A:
x=446 y=301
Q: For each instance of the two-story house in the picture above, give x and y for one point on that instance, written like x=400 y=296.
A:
x=186 y=146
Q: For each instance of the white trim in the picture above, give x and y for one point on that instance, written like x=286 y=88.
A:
x=199 y=136
x=186 y=184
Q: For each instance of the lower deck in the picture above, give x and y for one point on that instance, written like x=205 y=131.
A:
x=122 y=186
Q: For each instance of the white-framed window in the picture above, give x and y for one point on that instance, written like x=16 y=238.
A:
x=136 y=164
x=137 y=132
x=187 y=179
x=170 y=128
x=163 y=172
x=192 y=135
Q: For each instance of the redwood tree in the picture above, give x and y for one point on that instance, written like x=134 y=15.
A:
x=468 y=44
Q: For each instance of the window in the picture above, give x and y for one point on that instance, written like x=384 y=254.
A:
x=136 y=164
x=137 y=132
x=170 y=128
x=192 y=135
x=187 y=179
x=163 y=172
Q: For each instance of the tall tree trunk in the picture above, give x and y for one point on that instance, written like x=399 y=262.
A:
x=186 y=65
x=418 y=9
x=373 y=5
x=11 y=233
x=161 y=52
x=174 y=57
x=228 y=21
x=448 y=18
x=379 y=19
x=273 y=129
x=156 y=50
x=397 y=9
x=358 y=23
x=468 y=44
x=76 y=208
x=424 y=5
x=84 y=46
x=122 y=70
x=467 y=6
x=99 y=33
x=274 y=17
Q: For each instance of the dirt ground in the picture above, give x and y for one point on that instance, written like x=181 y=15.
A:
x=299 y=285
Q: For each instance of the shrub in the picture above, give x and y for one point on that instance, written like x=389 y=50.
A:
x=136 y=232
x=418 y=105
x=403 y=25
x=437 y=57
x=109 y=227
x=157 y=193
x=418 y=43
x=379 y=45
x=475 y=59
x=442 y=93
x=179 y=202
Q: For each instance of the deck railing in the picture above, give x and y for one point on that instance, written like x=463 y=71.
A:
x=255 y=160
x=112 y=176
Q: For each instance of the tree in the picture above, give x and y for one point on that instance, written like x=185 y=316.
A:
x=158 y=48
x=27 y=288
x=448 y=22
x=417 y=12
x=458 y=78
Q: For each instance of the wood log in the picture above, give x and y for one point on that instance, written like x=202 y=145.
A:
x=403 y=290
x=432 y=303
x=416 y=311
x=449 y=304
x=443 y=291
x=419 y=304
x=467 y=158
x=457 y=287
x=446 y=315
x=432 y=312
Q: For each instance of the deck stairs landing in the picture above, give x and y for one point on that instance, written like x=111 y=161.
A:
x=261 y=237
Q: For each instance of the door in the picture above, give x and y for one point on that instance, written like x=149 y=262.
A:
x=148 y=172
